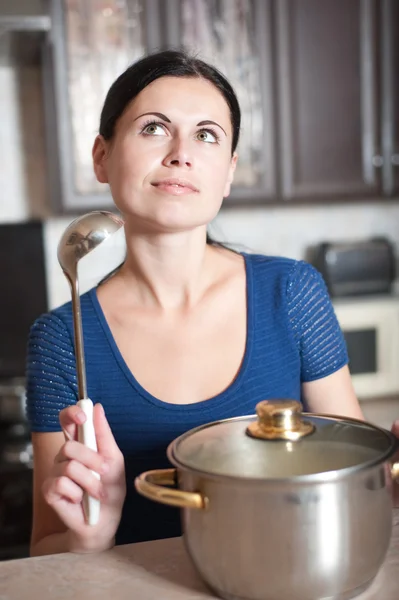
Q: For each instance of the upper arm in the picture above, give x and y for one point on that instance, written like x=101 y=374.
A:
x=325 y=377
x=50 y=386
x=50 y=373
x=317 y=334
x=333 y=395
x=45 y=448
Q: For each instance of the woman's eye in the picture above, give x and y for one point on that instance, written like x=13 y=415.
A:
x=205 y=135
x=153 y=129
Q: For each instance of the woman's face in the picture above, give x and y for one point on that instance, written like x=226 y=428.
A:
x=169 y=164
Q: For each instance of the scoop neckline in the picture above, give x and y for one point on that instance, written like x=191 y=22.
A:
x=201 y=405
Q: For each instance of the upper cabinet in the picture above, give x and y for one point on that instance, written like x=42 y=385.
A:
x=328 y=109
x=336 y=66
x=92 y=42
x=316 y=80
x=236 y=37
x=390 y=95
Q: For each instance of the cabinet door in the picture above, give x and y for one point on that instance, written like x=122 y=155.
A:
x=328 y=98
x=92 y=43
x=390 y=94
x=235 y=36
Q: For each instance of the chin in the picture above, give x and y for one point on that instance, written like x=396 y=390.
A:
x=171 y=219
x=169 y=214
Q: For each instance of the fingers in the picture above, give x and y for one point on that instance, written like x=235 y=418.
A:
x=61 y=488
x=73 y=416
x=70 y=480
x=106 y=444
x=90 y=459
x=70 y=418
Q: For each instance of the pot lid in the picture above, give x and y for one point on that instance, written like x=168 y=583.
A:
x=281 y=442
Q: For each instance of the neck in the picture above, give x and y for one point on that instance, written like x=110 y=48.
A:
x=168 y=270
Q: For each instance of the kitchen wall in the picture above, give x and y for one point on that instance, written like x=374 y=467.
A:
x=284 y=231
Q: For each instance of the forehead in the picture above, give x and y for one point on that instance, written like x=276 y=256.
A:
x=190 y=96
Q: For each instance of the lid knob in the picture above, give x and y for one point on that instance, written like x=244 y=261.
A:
x=279 y=420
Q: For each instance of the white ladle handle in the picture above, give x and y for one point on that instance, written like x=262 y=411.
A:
x=87 y=436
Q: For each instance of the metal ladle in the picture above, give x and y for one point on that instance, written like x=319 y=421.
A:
x=81 y=237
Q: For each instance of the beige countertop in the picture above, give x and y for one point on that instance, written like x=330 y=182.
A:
x=144 y=571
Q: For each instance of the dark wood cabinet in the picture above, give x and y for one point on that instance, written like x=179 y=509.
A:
x=328 y=98
x=90 y=44
x=317 y=80
x=236 y=37
x=395 y=95
x=390 y=95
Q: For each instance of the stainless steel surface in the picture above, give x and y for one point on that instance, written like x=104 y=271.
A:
x=319 y=529
x=223 y=448
x=266 y=542
x=81 y=237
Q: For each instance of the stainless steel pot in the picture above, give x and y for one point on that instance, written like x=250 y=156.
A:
x=283 y=507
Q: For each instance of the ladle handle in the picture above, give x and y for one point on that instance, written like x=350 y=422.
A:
x=87 y=436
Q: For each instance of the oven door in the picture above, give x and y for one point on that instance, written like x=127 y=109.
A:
x=371 y=331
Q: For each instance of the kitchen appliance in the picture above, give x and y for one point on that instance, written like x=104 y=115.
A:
x=24 y=292
x=80 y=238
x=370 y=326
x=16 y=462
x=23 y=299
x=290 y=506
x=359 y=267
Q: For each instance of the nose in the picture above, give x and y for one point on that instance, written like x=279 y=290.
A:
x=179 y=155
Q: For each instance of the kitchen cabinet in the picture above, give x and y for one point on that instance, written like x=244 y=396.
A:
x=390 y=93
x=236 y=37
x=316 y=79
x=327 y=85
x=338 y=88
x=91 y=43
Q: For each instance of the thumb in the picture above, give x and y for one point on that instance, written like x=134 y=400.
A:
x=106 y=444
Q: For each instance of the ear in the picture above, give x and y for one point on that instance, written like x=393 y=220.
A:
x=230 y=175
x=99 y=154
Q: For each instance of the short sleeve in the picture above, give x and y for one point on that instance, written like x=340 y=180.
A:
x=314 y=324
x=50 y=373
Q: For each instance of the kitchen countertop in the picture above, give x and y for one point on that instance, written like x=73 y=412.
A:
x=145 y=571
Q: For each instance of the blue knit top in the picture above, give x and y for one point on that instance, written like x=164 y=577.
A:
x=292 y=336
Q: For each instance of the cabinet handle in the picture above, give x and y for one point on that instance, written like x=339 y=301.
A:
x=395 y=160
x=377 y=161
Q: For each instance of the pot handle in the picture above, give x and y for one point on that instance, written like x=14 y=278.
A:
x=152 y=485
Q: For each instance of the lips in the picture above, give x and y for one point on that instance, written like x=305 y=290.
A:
x=177 y=184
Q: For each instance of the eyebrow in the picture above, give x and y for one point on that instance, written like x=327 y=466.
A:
x=165 y=118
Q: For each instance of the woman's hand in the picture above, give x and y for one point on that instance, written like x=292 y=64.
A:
x=395 y=484
x=72 y=476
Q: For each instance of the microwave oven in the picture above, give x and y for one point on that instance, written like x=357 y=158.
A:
x=370 y=326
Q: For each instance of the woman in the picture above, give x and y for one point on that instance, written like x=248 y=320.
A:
x=185 y=332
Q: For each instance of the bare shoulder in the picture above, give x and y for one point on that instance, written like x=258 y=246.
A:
x=227 y=262
x=111 y=291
